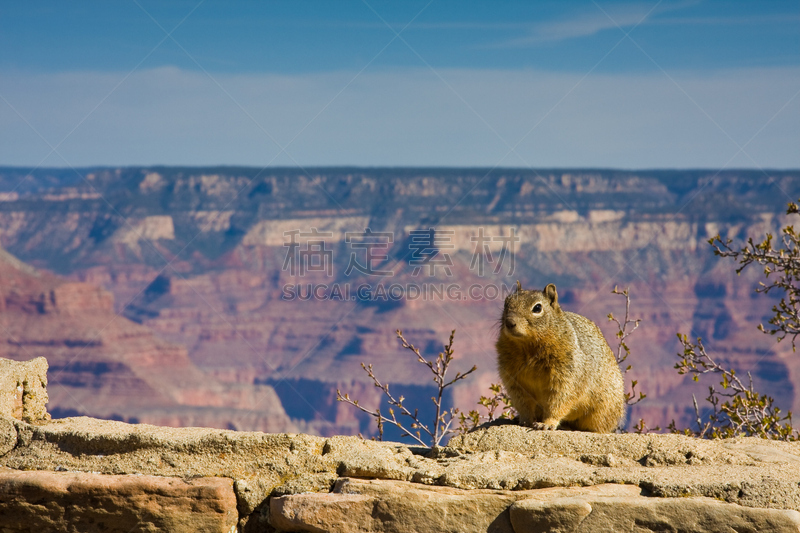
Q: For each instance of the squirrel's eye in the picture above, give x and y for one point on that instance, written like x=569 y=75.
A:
x=537 y=308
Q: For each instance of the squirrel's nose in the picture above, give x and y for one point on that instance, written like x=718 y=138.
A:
x=510 y=324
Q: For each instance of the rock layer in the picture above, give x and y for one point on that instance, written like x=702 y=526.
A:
x=106 y=365
x=198 y=256
x=400 y=507
x=497 y=478
x=68 y=501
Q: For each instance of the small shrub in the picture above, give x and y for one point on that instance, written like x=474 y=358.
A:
x=737 y=409
x=425 y=435
x=783 y=264
x=622 y=348
x=498 y=407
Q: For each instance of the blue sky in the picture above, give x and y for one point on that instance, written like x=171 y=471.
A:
x=508 y=83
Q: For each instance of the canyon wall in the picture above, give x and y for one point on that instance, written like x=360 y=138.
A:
x=244 y=282
x=105 y=364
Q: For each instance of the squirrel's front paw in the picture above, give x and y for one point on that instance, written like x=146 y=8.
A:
x=543 y=426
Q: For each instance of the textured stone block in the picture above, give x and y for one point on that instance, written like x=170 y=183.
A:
x=624 y=508
x=393 y=506
x=70 y=501
x=8 y=435
x=401 y=507
x=23 y=389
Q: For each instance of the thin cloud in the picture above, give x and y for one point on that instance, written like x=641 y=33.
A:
x=720 y=21
x=589 y=22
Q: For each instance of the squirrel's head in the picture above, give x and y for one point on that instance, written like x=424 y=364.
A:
x=529 y=315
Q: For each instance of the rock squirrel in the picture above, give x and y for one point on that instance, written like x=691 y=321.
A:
x=556 y=366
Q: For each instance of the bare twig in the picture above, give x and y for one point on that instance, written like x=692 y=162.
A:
x=442 y=425
x=622 y=348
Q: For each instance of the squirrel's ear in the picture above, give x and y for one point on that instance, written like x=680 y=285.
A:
x=552 y=294
x=519 y=286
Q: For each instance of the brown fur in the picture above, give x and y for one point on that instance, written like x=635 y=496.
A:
x=556 y=366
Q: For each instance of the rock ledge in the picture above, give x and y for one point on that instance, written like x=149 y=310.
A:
x=500 y=478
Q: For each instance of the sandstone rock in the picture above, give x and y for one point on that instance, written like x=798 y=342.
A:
x=23 y=389
x=316 y=482
x=393 y=506
x=749 y=472
x=258 y=462
x=67 y=501
x=253 y=490
x=252 y=494
x=626 y=449
x=774 y=453
x=323 y=513
x=111 y=447
x=624 y=508
x=365 y=458
x=8 y=435
x=562 y=515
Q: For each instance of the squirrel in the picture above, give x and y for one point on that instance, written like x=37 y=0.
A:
x=556 y=366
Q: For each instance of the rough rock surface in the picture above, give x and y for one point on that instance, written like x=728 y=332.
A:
x=23 y=389
x=492 y=479
x=622 y=508
x=398 y=506
x=8 y=435
x=258 y=463
x=361 y=505
x=69 y=501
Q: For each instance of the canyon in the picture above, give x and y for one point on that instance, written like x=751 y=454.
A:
x=229 y=297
